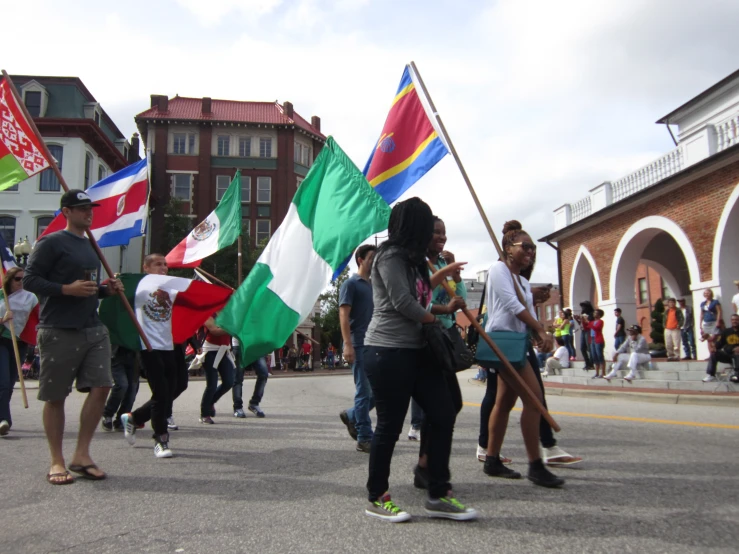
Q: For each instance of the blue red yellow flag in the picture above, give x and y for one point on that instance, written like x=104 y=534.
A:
x=409 y=145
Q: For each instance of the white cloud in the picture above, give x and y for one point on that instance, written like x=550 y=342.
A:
x=211 y=12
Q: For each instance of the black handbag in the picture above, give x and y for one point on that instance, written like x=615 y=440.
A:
x=463 y=357
x=439 y=347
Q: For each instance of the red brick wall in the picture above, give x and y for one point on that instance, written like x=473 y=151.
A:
x=696 y=207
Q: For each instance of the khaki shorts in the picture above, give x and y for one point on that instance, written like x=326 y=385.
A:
x=70 y=354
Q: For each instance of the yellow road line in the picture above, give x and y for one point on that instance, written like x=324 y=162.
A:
x=638 y=419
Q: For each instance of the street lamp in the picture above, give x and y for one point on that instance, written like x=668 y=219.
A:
x=22 y=250
x=18 y=251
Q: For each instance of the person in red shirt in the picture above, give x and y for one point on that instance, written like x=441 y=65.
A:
x=598 y=344
x=306 y=355
x=218 y=360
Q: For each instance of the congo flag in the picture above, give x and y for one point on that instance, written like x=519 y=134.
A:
x=409 y=145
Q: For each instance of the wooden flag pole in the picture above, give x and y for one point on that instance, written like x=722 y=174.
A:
x=213 y=278
x=63 y=183
x=467 y=181
x=15 y=341
x=511 y=376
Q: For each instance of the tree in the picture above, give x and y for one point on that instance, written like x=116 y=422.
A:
x=176 y=227
x=658 y=329
x=328 y=320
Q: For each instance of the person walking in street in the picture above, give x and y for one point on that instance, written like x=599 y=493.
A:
x=631 y=353
x=125 y=387
x=262 y=374
x=20 y=305
x=399 y=368
x=508 y=313
x=218 y=361
x=673 y=321
x=355 y=313
x=62 y=272
x=686 y=332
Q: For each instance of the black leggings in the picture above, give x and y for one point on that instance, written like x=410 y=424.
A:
x=453 y=384
x=488 y=403
x=161 y=367
x=397 y=375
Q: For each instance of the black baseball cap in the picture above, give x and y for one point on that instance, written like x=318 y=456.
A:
x=74 y=198
x=634 y=329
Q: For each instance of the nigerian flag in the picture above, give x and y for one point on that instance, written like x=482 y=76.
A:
x=334 y=210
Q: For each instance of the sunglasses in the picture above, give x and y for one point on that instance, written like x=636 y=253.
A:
x=17 y=279
x=530 y=246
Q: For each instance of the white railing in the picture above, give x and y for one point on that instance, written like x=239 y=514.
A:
x=727 y=133
x=659 y=169
x=581 y=209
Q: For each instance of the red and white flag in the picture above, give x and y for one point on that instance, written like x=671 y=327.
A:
x=24 y=306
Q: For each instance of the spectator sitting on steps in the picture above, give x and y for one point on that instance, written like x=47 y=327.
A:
x=726 y=350
x=633 y=352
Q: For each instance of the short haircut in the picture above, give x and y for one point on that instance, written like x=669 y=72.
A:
x=599 y=313
x=363 y=251
x=560 y=341
x=617 y=310
x=148 y=260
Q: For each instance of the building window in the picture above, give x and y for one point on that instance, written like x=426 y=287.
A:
x=183 y=143
x=264 y=227
x=265 y=147
x=303 y=154
x=244 y=147
x=263 y=211
x=538 y=312
x=48 y=181
x=7 y=230
x=33 y=103
x=548 y=309
x=181 y=186
x=643 y=297
x=245 y=190
x=42 y=223
x=102 y=172
x=222 y=182
x=246 y=210
x=224 y=145
x=14 y=188
x=555 y=311
x=88 y=170
x=96 y=117
x=264 y=190
x=246 y=225
x=299 y=180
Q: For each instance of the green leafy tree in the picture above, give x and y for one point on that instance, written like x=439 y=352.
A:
x=658 y=329
x=328 y=320
x=176 y=227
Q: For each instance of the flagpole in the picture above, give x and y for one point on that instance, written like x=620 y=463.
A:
x=510 y=375
x=14 y=341
x=213 y=278
x=467 y=181
x=63 y=183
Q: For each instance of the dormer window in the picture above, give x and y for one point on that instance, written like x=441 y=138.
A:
x=33 y=103
x=35 y=98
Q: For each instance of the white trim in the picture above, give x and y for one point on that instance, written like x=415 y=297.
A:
x=584 y=252
x=704 y=285
x=722 y=222
x=656 y=223
x=178 y=171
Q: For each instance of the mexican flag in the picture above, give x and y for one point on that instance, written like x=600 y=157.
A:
x=21 y=155
x=334 y=210
x=24 y=306
x=169 y=309
x=219 y=230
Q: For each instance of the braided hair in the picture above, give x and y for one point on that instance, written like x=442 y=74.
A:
x=411 y=229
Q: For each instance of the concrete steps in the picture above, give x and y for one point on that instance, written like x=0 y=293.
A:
x=663 y=375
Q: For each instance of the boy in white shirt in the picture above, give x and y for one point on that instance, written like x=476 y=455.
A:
x=560 y=360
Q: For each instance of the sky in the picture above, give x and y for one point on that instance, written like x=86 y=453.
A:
x=543 y=100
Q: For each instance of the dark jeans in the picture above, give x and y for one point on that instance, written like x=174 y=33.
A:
x=546 y=436
x=688 y=339
x=214 y=391
x=397 y=375
x=724 y=357
x=569 y=346
x=617 y=342
x=262 y=373
x=178 y=379
x=416 y=415
x=596 y=352
x=125 y=383
x=453 y=384
x=585 y=349
x=161 y=368
x=8 y=375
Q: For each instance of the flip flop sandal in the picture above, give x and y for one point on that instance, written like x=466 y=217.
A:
x=68 y=479
x=84 y=472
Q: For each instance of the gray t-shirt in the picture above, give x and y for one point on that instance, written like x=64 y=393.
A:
x=58 y=259
x=357 y=293
x=397 y=315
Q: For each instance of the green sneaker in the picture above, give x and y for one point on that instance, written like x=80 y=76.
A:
x=450 y=508
x=384 y=508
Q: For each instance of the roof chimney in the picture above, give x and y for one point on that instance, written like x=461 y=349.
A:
x=316 y=122
x=207 y=105
x=133 y=153
x=162 y=103
x=288 y=107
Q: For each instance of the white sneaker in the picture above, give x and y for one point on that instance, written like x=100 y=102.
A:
x=545 y=373
x=4 y=427
x=481 y=453
x=630 y=377
x=558 y=457
x=161 y=450
x=171 y=424
x=709 y=379
x=414 y=434
x=611 y=375
x=129 y=428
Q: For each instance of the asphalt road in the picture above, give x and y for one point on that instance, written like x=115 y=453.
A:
x=292 y=482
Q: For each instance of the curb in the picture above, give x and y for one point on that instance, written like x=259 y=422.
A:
x=655 y=397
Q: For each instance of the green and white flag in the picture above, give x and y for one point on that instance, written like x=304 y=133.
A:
x=334 y=210
x=217 y=231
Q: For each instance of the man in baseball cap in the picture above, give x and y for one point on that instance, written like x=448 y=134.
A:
x=75 y=198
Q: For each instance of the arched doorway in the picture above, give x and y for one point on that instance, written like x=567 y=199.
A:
x=584 y=283
x=726 y=252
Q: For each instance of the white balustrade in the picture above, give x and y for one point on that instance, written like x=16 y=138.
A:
x=727 y=133
x=581 y=209
x=660 y=169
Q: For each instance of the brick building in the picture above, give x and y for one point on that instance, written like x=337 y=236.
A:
x=196 y=145
x=679 y=216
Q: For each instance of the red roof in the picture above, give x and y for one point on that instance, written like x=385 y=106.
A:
x=231 y=111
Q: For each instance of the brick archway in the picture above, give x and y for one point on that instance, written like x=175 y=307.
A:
x=584 y=273
x=725 y=266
